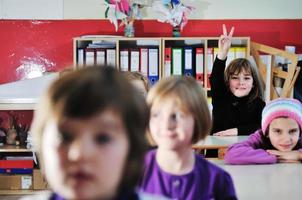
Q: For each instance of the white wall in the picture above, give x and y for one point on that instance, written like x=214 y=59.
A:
x=31 y=9
x=205 y=9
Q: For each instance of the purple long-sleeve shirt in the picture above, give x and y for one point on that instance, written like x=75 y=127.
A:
x=250 y=151
x=206 y=181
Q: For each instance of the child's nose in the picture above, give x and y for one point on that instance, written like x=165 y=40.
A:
x=286 y=137
x=241 y=81
x=79 y=150
x=169 y=121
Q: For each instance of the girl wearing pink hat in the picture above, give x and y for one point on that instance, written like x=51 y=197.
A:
x=278 y=140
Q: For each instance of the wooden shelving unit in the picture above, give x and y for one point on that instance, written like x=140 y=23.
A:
x=161 y=43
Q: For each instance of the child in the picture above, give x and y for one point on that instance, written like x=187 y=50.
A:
x=236 y=93
x=139 y=81
x=88 y=132
x=279 y=139
x=179 y=117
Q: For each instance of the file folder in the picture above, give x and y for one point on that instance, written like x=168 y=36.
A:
x=100 y=57
x=134 y=60
x=153 y=64
x=199 y=65
x=89 y=57
x=124 y=60
x=177 y=61
x=167 y=61
x=80 y=58
x=188 y=67
x=110 y=57
x=144 y=61
x=240 y=52
x=210 y=61
x=231 y=56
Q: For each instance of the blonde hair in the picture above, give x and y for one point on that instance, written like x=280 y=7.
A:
x=191 y=97
x=242 y=64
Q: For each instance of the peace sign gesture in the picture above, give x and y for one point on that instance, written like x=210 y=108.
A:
x=224 y=42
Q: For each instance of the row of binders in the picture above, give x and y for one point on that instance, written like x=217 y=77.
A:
x=190 y=61
x=17 y=166
x=142 y=59
x=187 y=60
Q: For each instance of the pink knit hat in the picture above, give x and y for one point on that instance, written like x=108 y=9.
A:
x=281 y=107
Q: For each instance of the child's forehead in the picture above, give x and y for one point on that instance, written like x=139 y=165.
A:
x=242 y=71
x=172 y=99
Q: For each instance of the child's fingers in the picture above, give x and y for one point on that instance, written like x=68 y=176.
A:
x=232 y=31
x=224 y=30
x=273 y=152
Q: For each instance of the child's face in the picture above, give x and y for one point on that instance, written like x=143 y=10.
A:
x=85 y=158
x=241 y=84
x=170 y=126
x=284 y=133
x=138 y=84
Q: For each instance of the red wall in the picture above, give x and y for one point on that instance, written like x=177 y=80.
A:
x=48 y=43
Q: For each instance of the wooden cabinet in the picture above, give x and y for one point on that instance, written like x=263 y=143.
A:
x=93 y=50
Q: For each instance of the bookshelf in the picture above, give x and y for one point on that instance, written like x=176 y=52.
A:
x=21 y=96
x=204 y=47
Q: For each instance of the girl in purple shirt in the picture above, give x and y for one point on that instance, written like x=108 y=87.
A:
x=279 y=139
x=179 y=117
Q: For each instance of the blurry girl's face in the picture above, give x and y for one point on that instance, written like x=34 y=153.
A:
x=85 y=158
x=284 y=133
x=241 y=84
x=170 y=126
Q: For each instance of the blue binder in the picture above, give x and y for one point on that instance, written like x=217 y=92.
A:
x=153 y=65
x=188 y=61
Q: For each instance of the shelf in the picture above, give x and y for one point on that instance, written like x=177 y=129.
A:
x=24 y=94
x=13 y=148
x=16 y=192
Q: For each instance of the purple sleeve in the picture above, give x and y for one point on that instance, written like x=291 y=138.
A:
x=249 y=152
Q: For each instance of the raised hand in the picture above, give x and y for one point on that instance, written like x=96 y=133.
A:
x=225 y=42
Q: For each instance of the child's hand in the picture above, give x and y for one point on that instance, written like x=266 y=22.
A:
x=286 y=156
x=228 y=132
x=224 y=43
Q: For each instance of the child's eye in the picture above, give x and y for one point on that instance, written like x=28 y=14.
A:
x=177 y=115
x=103 y=138
x=293 y=131
x=276 y=131
x=234 y=77
x=154 y=114
x=247 y=78
x=66 y=137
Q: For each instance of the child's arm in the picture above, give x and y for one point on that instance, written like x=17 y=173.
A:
x=249 y=152
x=288 y=156
x=218 y=87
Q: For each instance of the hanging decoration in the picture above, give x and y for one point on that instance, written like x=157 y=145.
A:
x=173 y=12
x=124 y=13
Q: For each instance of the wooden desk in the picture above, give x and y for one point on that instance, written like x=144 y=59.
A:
x=218 y=142
x=262 y=182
